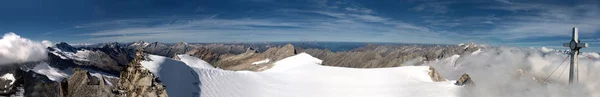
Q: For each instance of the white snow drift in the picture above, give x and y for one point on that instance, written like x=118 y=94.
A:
x=14 y=49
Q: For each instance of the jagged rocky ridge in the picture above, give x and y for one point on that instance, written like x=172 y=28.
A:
x=135 y=81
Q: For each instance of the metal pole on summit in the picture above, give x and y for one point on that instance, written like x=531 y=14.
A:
x=574 y=45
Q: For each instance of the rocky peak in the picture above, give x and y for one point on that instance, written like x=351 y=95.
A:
x=280 y=53
x=83 y=84
x=65 y=47
x=110 y=45
x=136 y=81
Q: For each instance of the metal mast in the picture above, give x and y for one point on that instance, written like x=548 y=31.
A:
x=574 y=45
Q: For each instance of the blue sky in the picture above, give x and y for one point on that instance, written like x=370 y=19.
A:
x=497 y=22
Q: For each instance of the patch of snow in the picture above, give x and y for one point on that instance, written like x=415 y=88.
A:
x=52 y=73
x=9 y=76
x=143 y=44
x=476 y=52
x=194 y=62
x=261 y=61
x=80 y=55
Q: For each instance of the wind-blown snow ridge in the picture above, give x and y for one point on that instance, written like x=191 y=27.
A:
x=194 y=62
x=181 y=80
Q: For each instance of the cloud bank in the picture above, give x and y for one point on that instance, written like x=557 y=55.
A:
x=15 y=49
x=518 y=72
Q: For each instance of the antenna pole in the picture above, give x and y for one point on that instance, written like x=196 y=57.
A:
x=574 y=45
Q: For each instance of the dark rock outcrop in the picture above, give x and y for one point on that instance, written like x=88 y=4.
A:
x=37 y=85
x=465 y=80
x=435 y=76
x=136 y=81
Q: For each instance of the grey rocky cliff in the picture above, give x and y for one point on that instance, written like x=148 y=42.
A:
x=244 y=61
x=83 y=84
x=378 y=56
x=136 y=81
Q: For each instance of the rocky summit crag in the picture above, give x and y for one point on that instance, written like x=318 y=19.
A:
x=136 y=81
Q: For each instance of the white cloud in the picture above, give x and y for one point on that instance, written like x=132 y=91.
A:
x=435 y=7
x=15 y=49
x=342 y=25
x=519 y=72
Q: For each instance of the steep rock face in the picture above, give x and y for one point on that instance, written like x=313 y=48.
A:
x=37 y=85
x=204 y=54
x=82 y=84
x=136 y=81
x=245 y=60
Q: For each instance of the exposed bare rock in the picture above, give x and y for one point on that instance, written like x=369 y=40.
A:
x=82 y=84
x=378 y=56
x=435 y=76
x=204 y=54
x=37 y=85
x=244 y=61
x=465 y=80
x=136 y=81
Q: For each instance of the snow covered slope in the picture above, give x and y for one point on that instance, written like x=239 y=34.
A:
x=297 y=76
x=194 y=62
x=303 y=76
x=53 y=74
x=180 y=79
